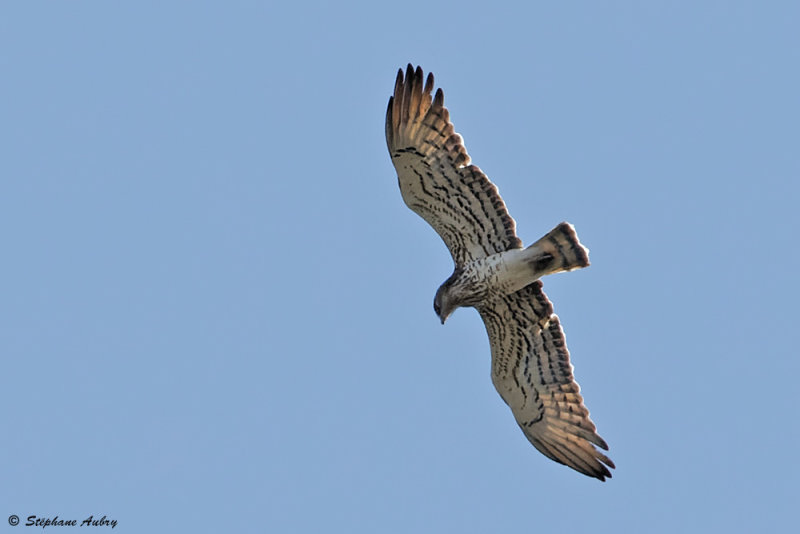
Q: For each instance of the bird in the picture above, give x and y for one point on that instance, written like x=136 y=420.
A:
x=495 y=274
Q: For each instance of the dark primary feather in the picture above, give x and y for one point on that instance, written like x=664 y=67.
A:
x=435 y=177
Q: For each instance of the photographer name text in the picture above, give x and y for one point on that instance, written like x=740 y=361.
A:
x=91 y=521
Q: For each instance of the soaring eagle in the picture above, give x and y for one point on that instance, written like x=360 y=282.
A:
x=495 y=274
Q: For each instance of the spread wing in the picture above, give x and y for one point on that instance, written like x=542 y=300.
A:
x=436 y=179
x=532 y=372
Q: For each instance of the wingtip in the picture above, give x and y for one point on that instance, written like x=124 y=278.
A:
x=438 y=100
x=605 y=474
x=429 y=83
x=409 y=72
x=604 y=464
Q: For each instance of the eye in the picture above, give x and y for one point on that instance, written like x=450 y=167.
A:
x=436 y=308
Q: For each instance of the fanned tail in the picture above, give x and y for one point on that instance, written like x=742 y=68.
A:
x=558 y=251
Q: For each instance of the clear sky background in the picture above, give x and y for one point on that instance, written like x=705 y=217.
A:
x=216 y=311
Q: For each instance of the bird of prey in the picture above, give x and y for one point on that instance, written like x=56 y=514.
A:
x=493 y=273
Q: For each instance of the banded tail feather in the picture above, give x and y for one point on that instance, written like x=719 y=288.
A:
x=558 y=251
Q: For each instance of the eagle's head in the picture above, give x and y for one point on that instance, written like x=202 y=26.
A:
x=443 y=303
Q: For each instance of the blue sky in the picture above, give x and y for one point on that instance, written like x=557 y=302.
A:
x=217 y=311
